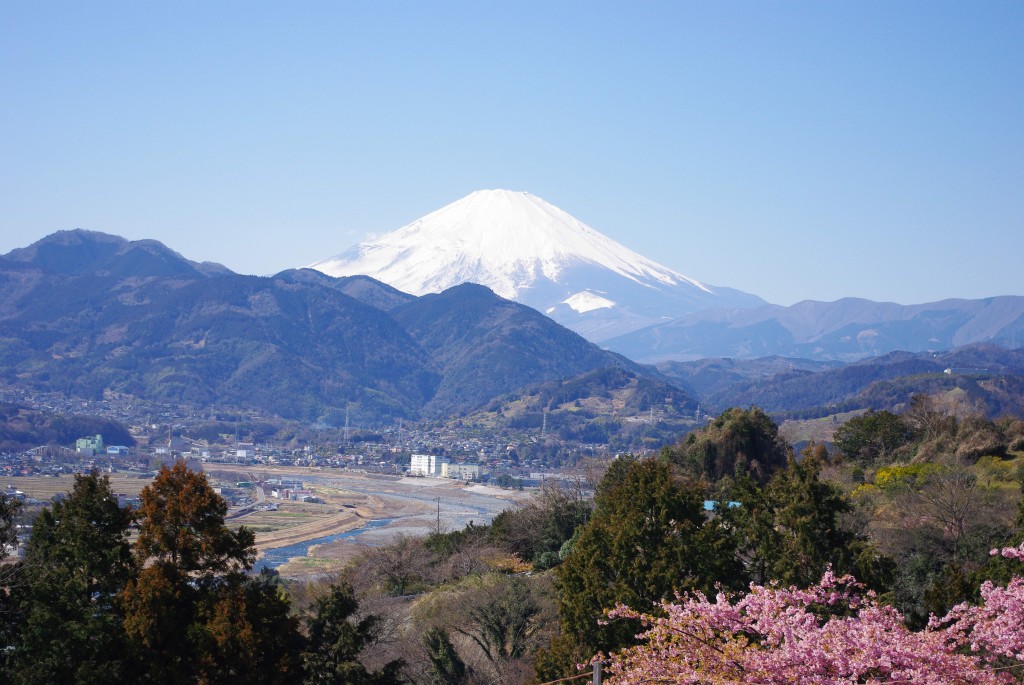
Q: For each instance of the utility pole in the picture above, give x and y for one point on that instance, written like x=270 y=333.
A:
x=438 y=500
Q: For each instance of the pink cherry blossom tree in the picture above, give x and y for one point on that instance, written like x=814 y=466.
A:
x=833 y=632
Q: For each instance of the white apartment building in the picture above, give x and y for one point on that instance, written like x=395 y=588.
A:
x=426 y=465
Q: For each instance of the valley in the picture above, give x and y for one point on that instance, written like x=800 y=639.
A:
x=372 y=509
x=354 y=502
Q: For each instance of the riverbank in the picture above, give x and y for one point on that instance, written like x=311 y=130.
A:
x=303 y=539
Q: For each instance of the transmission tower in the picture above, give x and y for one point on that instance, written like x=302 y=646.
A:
x=346 y=425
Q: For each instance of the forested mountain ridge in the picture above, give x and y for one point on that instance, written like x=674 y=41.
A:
x=22 y=428
x=85 y=312
x=989 y=375
x=489 y=346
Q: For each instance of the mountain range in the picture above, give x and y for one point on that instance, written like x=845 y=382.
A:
x=845 y=330
x=526 y=249
x=986 y=377
x=86 y=313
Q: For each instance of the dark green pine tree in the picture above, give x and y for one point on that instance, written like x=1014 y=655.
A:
x=794 y=528
x=649 y=537
x=78 y=560
x=446 y=667
x=335 y=640
x=8 y=508
x=808 y=512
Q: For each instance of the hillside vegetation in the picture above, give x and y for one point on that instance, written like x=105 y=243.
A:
x=909 y=504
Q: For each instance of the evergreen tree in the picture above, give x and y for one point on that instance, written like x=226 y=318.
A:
x=446 y=668
x=335 y=640
x=251 y=636
x=872 y=438
x=8 y=536
x=182 y=525
x=794 y=528
x=8 y=622
x=78 y=560
x=736 y=442
x=648 y=538
x=537 y=531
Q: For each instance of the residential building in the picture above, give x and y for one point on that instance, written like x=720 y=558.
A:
x=460 y=471
x=426 y=465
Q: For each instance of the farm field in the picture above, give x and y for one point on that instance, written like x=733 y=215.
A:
x=43 y=488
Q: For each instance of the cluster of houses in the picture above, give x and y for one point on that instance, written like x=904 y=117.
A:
x=291 y=490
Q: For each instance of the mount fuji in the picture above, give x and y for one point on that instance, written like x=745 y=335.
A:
x=528 y=250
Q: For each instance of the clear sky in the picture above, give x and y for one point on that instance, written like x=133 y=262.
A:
x=796 y=150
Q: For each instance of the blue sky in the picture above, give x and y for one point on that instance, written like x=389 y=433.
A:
x=796 y=150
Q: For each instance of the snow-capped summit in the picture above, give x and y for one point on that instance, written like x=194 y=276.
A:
x=503 y=239
x=528 y=250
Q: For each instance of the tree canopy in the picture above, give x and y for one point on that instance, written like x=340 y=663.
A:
x=873 y=437
x=336 y=636
x=70 y=626
x=737 y=441
x=647 y=539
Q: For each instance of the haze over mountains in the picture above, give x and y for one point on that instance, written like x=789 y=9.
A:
x=530 y=251
x=845 y=330
x=985 y=377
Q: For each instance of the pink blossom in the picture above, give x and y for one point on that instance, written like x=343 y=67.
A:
x=830 y=633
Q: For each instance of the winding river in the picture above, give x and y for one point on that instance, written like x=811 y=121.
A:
x=273 y=558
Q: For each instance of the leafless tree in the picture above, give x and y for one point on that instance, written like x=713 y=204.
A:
x=393 y=569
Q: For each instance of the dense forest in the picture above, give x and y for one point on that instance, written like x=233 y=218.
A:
x=732 y=559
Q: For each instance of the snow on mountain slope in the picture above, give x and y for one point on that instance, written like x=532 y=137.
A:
x=528 y=250
x=586 y=301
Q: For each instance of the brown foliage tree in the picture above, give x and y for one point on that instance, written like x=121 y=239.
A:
x=182 y=523
x=192 y=612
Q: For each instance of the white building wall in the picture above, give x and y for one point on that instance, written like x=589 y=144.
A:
x=427 y=465
x=423 y=465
